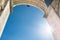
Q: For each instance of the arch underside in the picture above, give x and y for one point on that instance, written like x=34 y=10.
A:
x=37 y=3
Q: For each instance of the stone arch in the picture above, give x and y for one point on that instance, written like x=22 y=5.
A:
x=40 y=4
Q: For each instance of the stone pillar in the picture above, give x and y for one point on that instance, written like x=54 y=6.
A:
x=4 y=17
x=54 y=21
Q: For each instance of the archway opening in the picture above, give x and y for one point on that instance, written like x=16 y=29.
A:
x=26 y=22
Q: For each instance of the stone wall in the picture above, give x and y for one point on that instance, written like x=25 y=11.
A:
x=4 y=17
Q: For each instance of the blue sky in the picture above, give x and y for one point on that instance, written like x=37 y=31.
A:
x=26 y=23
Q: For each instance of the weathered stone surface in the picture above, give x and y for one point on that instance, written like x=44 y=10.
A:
x=4 y=17
x=37 y=3
x=56 y=7
x=54 y=22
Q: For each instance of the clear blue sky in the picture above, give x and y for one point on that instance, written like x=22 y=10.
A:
x=26 y=23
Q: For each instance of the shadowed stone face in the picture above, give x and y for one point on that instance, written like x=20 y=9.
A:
x=3 y=3
x=28 y=5
x=48 y=2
